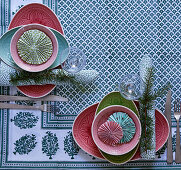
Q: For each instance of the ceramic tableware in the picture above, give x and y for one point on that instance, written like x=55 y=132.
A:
x=33 y=13
x=118 y=149
x=33 y=67
x=36 y=13
x=63 y=48
x=82 y=131
x=115 y=98
x=5 y=48
x=36 y=91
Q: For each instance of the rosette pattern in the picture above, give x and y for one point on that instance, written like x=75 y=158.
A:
x=110 y=133
x=127 y=124
x=34 y=47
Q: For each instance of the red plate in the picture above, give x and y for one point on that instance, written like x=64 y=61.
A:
x=36 y=13
x=82 y=131
x=36 y=91
x=161 y=128
x=40 y=14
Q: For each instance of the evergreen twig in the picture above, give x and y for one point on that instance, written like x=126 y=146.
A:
x=147 y=104
x=24 y=77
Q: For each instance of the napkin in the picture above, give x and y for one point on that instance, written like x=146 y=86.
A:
x=82 y=77
x=146 y=63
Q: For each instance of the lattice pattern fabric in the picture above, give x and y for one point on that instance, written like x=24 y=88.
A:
x=114 y=35
x=83 y=77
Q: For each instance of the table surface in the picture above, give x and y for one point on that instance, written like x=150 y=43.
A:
x=114 y=35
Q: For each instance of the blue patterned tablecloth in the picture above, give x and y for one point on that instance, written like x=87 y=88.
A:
x=114 y=35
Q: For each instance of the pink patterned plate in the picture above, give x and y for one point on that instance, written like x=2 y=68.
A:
x=33 y=67
x=102 y=117
x=161 y=128
x=36 y=13
x=40 y=14
x=36 y=91
x=82 y=131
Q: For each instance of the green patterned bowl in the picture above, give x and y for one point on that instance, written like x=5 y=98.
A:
x=115 y=98
x=34 y=47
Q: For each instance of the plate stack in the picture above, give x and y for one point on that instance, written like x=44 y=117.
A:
x=34 y=42
x=34 y=47
x=116 y=130
x=111 y=129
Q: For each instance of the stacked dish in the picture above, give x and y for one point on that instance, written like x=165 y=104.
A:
x=34 y=47
x=110 y=105
x=87 y=123
x=116 y=130
x=38 y=17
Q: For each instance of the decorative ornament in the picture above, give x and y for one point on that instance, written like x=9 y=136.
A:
x=70 y=146
x=127 y=124
x=25 y=120
x=25 y=144
x=110 y=133
x=34 y=47
x=50 y=144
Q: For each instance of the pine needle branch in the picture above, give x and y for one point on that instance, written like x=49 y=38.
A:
x=24 y=77
x=146 y=105
x=37 y=77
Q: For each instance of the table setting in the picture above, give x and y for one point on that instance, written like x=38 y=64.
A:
x=90 y=84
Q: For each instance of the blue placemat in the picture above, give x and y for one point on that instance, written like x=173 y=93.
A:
x=114 y=35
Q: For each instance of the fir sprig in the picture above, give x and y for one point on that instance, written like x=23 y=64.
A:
x=146 y=105
x=37 y=77
x=24 y=77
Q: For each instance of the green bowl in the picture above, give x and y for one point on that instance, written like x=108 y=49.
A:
x=115 y=98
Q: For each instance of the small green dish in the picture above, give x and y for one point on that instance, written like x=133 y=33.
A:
x=5 y=54
x=115 y=98
x=120 y=159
